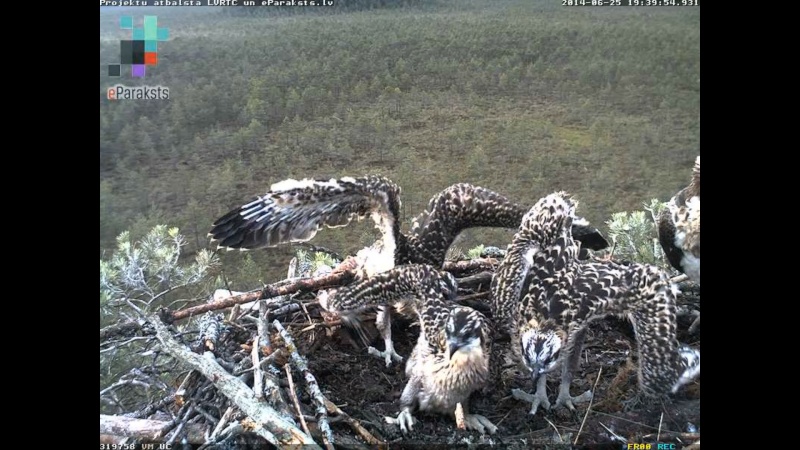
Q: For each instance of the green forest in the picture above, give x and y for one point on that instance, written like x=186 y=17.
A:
x=522 y=97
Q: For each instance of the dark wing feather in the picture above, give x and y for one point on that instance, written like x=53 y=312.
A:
x=293 y=211
x=666 y=237
x=385 y=288
x=419 y=285
x=589 y=237
x=453 y=210
x=682 y=215
x=463 y=206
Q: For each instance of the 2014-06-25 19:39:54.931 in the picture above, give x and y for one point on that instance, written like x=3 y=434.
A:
x=630 y=2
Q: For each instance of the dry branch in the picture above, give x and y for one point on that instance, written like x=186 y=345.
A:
x=459 y=267
x=674 y=434
x=152 y=408
x=258 y=376
x=482 y=279
x=313 y=387
x=466 y=299
x=221 y=424
x=263 y=327
x=354 y=424
x=288 y=287
x=273 y=290
x=293 y=394
x=589 y=408
x=272 y=426
x=122 y=328
x=148 y=430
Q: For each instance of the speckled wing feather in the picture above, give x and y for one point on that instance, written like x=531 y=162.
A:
x=393 y=285
x=430 y=292
x=679 y=227
x=412 y=283
x=453 y=210
x=641 y=293
x=295 y=210
x=546 y=227
x=565 y=294
x=463 y=206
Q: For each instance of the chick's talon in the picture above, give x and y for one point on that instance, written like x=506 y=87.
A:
x=536 y=400
x=479 y=423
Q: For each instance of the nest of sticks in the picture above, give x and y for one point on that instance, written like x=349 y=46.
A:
x=240 y=370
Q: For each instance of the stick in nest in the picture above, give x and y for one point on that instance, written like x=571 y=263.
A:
x=293 y=393
x=594 y=389
x=271 y=425
x=311 y=382
x=354 y=424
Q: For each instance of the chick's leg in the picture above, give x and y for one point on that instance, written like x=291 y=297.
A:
x=405 y=420
x=383 y=322
x=569 y=366
x=537 y=399
x=477 y=422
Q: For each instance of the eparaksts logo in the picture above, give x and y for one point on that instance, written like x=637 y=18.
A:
x=120 y=92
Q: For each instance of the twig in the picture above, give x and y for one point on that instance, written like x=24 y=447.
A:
x=232 y=430
x=644 y=425
x=471 y=297
x=180 y=393
x=305 y=310
x=152 y=408
x=594 y=390
x=679 y=279
x=264 y=362
x=561 y=438
x=504 y=417
x=210 y=327
x=150 y=430
x=614 y=435
x=660 y=420
x=354 y=424
x=287 y=309
x=457 y=267
x=263 y=326
x=479 y=279
x=270 y=424
x=676 y=434
x=116 y=345
x=222 y=422
x=295 y=401
x=258 y=377
x=121 y=383
x=181 y=424
x=311 y=382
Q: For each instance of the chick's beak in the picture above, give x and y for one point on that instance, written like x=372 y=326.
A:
x=453 y=347
x=536 y=370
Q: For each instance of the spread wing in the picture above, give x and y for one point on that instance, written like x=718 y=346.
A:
x=293 y=211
